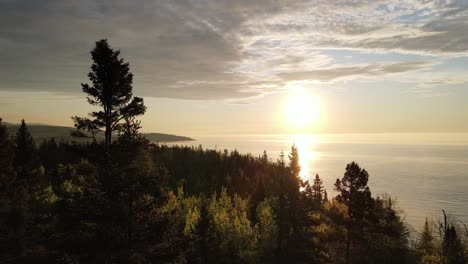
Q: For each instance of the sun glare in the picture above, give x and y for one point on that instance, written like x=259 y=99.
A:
x=302 y=111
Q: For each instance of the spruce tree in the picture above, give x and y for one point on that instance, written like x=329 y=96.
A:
x=26 y=159
x=294 y=166
x=6 y=163
x=426 y=244
x=317 y=189
x=32 y=198
x=452 y=248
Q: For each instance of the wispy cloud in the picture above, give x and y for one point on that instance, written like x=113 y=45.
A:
x=351 y=72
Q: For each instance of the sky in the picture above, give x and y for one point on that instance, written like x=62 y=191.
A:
x=212 y=67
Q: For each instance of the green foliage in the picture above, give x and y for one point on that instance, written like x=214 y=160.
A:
x=328 y=232
x=267 y=227
x=185 y=211
x=353 y=190
x=426 y=247
x=232 y=233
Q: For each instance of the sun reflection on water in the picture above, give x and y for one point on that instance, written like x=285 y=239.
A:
x=305 y=143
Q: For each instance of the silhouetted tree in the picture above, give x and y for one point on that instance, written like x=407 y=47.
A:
x=294 y=166
x=385 y=234
x=426 y=244
x=7 y=178
x=264 y=157
x=318 y=190
x=31 y=199
x=453 y=251
x=26 y=158
x=111 y=89
x=6 y=163
x=355 y=194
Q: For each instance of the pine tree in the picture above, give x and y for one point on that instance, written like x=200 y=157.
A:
x=26 y=159
x=426 y=244
x=294 y=166
x=32 y=198
x=452 y=248
x=355 y=194
x=112 y=90
x=281 y=160
x=264 y=157
x=6 y=163
x=317 y=189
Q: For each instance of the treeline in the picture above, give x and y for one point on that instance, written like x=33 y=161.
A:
x=143 y=203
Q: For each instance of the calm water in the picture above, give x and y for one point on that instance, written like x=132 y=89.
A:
x=424 y=172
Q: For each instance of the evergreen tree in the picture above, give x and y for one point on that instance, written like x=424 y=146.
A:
x=318 y=190
x=26 y=159
x=355 y=194
x=7 y=177
x=426 y=243
x=264 y=157
x=6 y=163
x=268 y=228
x=32 y=199
x=386 y=235
x=453 y=251
x=111 y=89
x=294 y=166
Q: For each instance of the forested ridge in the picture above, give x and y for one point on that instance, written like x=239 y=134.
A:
x=122 y=199
x=41 y=132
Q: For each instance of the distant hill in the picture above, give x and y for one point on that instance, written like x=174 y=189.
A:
x=62 y=133
x=159 y=137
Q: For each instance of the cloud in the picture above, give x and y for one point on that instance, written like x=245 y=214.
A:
x=420 y=27
x=427 y=92
x=350 y=72
x=220 y=49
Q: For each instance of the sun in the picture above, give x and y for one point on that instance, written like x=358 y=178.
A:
x=301 y=110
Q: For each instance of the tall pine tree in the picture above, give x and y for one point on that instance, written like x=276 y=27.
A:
x=6 y=163
x=354 y=194
x=26 y=159
x=426 y=245
x=318 y=190
x=111 y=89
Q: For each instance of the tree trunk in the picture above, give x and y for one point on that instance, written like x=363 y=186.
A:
x=129 y=227
x=108 y=133
x=348 y=243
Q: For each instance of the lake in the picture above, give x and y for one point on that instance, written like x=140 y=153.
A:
x=425 y=173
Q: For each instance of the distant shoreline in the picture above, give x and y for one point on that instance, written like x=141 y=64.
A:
x=42 y=132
